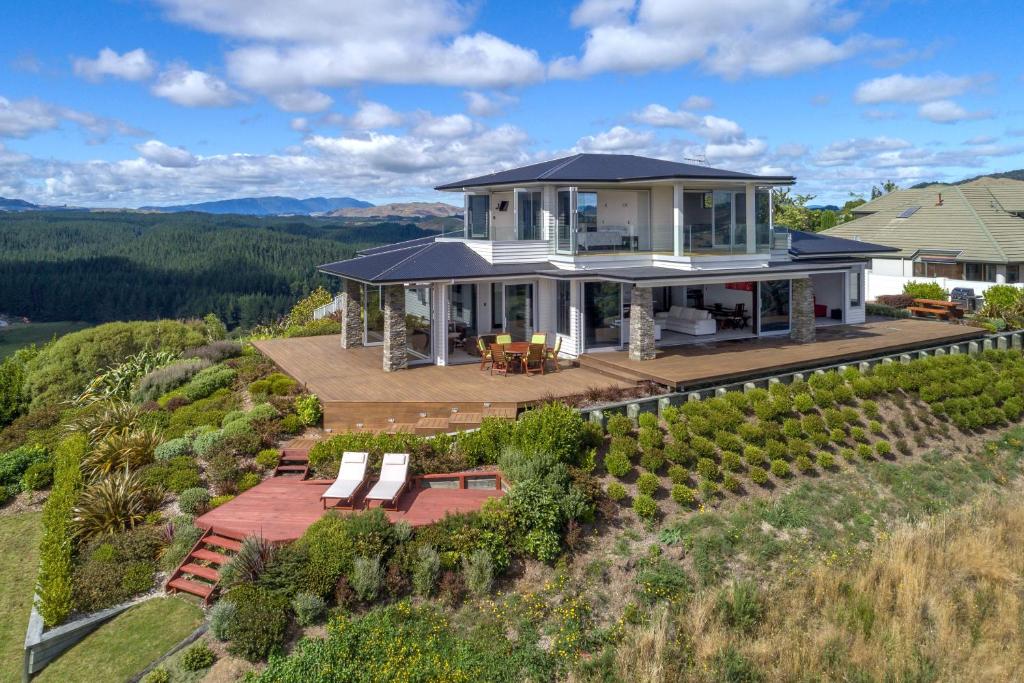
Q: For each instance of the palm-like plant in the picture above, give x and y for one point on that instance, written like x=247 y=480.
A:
x=119 y=450
x=250 y=560
x=119 y=380
x=104 y=418
x=115 y=503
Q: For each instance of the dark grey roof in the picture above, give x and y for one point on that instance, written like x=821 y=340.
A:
x=607 y=168
x=424 y=261
x=816 y=244
x=650 y=273
x=420 y=241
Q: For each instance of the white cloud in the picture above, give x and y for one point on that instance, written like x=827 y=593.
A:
x=714 y=128
x=698 y=102
x=718 y=153
x=307 y=101
x=900 y=88
x=163 y=154
x=980 y=140
x=480 y=104
x=310 y=43
x=134 y=65
x=299 y=124
x=374 y=115
x=192 y=88
x=948 y=111
x=791 y=149
x=846 y=151
x=729 y=38
x=23 y=118
x=445 y=127
x=617 y=139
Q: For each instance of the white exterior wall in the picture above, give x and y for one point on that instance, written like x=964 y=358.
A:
x=830 y=290
x=877 y=285
x=857 y=314
x=892 y=266
x=503 y=223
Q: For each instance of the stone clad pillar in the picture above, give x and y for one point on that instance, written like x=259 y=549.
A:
x=802 y=308
x=396 y=352
x=351 y=314
x=641 y=324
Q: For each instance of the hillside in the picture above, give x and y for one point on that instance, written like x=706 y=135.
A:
x=266 y=206
x=118 y=266
x=1017 y=174
x=401 y=210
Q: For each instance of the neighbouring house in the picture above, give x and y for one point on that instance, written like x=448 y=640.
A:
x=601 y=252
x=968 y=235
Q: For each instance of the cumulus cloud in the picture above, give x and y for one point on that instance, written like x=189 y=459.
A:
x=617 y=139
x=698 y=102
x=23 y=118
x=445 y=127
x=948 y=111
x=480 y=104
x=307 y=101
x=729 y=38
x=193 y=88
x=134 y=65
x=309 y=43
x=163 y=154
x=714 y=128
x=853 y=149
x=915 y=89
x=374 y=115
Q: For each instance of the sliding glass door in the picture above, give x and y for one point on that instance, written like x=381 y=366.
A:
x=527 y=208
x=774 y=300
x=602 y=314
x=478 y=216
x=566 y=228
x=519 y=311
x=373 y=316
x=419 y=317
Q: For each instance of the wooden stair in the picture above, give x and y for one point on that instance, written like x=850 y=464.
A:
x=295 y=458
x=594 y=362
x=199 y=573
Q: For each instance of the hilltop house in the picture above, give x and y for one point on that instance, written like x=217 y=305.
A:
x=969 y=235
x=601 y=252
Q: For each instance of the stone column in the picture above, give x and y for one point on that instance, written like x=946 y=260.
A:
x=351 y=314
x=802 y=307
x=395 y=341
x=641 y=324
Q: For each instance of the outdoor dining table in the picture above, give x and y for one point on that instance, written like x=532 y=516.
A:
x=517 y=350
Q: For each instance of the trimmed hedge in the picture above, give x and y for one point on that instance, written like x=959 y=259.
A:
x=57 y=546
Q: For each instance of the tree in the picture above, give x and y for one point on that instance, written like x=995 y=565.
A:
x=12 y=384
x=887 y=187
x=792 y=212
x=827 y=220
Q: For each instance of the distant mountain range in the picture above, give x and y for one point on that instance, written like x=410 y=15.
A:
x=266 y=206
x=400 y=210
x=22 y=205
x=1017 y=174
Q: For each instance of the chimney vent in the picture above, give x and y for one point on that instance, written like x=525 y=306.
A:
x=939 y=202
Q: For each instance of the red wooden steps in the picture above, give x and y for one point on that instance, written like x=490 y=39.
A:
x=294 y=458
x=210 y=556
x=203 y=590
x=199 y=573
x=222 y=542
x=208 y=573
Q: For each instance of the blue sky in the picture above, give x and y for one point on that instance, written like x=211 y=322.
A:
x=149 y=102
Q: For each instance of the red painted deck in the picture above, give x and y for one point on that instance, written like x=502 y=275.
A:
x=281 y=508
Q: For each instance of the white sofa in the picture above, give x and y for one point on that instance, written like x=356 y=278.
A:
x=687 y=321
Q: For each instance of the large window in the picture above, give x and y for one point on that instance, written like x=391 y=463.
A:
x=497 y=306
x=1013 y=273
x=478 y=209
x=763 y=216
x=373 y=315
x=564 y=238
x=586 y=212
x=462 y=310
x=528 y=215
x=602 y=314
x=855 y=278
x=418 y=323
x=981 y=272
x=563 y=302
x=774 y=296
x=519 y=311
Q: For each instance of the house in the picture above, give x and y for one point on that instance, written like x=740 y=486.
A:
x=601 y=252
x=968 y=235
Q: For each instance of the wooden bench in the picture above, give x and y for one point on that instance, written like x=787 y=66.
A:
x=944 y=310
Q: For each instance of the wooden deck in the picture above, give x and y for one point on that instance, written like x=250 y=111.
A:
x=281 y=508
x=355 y=390
x=717 y=362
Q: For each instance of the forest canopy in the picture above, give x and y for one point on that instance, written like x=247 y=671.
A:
x=99 y=267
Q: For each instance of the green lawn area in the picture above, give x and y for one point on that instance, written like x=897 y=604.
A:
x=17 y=335
x=127 y=644
x=19 y=559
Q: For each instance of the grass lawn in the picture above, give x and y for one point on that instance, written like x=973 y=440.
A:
x=128 y=643
x=17 y=335
x=19 y=559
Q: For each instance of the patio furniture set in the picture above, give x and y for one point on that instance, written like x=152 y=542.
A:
x=505 y=356
x=351 y=479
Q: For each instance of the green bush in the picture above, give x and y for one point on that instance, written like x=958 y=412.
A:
x=309 y=410
x=38 y=476
x=197 y=657
x=615 y=491
x=618 y=425
x=848 y=454
x=870 y=408
x=554 y=429
x=193 y=501
x=291 y=424
x=792 y=428
x=650 y=438
x=55 y=583
x=268 y=458
x=652 y=461
x=731 y=483
x=775 y=450
x=925 y=290
x=727 y=441
x=678 y=474
x=683 y=495
x=837 y=435
x=157 y=676
x=222 y=616
x=883 y=448
x=275 y=384
x=825 y=460
x=803 y=463
x=702 y=446
x=207 y=443
x=426 y=569
x=742 y=606
x=217 y=501
x=803 y=403
x=248 y=480
x=708 y=489
x=758 y=475
x=731 y=461
x=708 y=469
x=780 y=468
x=173 y=448
x=865 y=451
x=875 y=427
x=858 y=434
x=309 y=609
x=647 y=421
x=13 y=464
x=647 y=483
x=260 y=625
x=617 y=464
x=645 y=507
x=478 y=572
x=206 y=382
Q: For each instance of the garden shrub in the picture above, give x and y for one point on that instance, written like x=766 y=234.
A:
x=206 y=443
x=197 y=657
x=206 y=382
x=193 y=501
x=652 y=460
x=858 y=434
x=309 y=410
x=875 y=427
x=618 y=425
x=334 y=541
x=728 y=441
x=173 y=448
x=678 y=453
x=426 y=570
x=708 y=489
x=248 y=480
x=268 y=458
x=731 y=483
x=925 y=290
x=683 y=494
x=798 y=447
x=702 y=446
x=168 y=378
x=707 y=468
x=753 y=455
x=222 y=615
x=803 y=463
x=647 y=483
x=650 y=438
x=825 y=460
x=309 y=609
x=647 y=421
x=222 y=470
x=819 y=439
x=752 y=433
x=865 y=451
x=177 y=474
x=803 y=403
x=883 y=448
x=848 y=454
x=260 y=624
x=38 y=476
x=205 y=413
x=837 y=435
x=678 y=474
x=615 y=491
x=758 y=475
x=553 y=428
x=217 y=501
x=13 y=464
x=185 y=535
x=645 y=507
x=625 y=446
x=55 y=583
x=478 y=572
x=780 y=468
x=157 y=676
x=731 y=461
x=792 y=428
x=775 y=450
x=617 y=464
x=274 y=384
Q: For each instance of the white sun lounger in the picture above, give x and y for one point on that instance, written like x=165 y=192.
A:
x=351 y=478
x=394 y=477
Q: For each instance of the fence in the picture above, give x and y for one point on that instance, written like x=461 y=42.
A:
x=893 y=284
x=327 y=309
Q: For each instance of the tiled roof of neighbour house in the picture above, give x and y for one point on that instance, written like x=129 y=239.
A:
x=607 y=168
x=975 y=220
x=811 y=244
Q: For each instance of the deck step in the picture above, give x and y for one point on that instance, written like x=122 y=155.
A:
x=609 y=369
x=400 y=428
x=507 y=412
x=292 y=468
x=465 y=420
x=429 y=426
x=222 y=542
x=210 y=556
x=208 y=573
x=197 y=588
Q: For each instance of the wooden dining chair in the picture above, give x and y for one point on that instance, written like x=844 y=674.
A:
x=499 y=359
x=485 y=353
x=504 y=339
x=551 y=354
x=533 y=362
x=539 y=338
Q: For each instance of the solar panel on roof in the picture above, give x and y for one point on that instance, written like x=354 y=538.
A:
x=910 y=211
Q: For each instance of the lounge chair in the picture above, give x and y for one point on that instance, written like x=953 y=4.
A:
x=394 y=477
x=351 y=479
